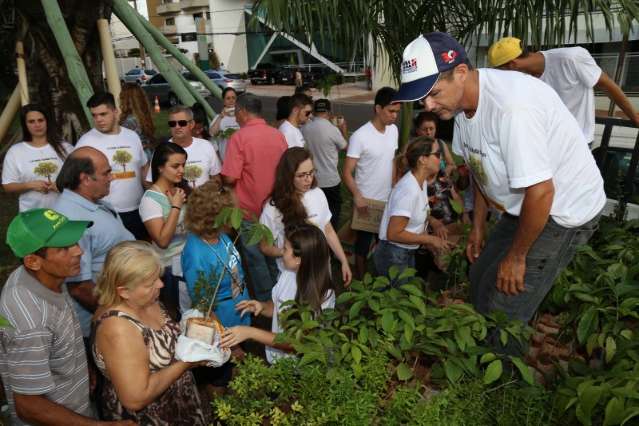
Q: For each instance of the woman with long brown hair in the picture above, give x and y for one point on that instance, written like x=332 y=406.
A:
x=306 y=278
x=135 y=114
x=297 y=199
x=31 y=166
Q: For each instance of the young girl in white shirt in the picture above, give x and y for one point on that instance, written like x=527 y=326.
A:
x=306 y=279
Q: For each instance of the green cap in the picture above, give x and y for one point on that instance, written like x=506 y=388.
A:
x=34 y=229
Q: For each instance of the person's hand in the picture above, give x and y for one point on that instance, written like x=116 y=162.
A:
x=253 y=306
x=52 y=187
x=361 y=205
x=438 y=245
x=41 y=186
x=635 y=119
x=178 y=198
x=235 y=335
x=475 y=244
x=440 y=231
x=510 y=275
x=347 y=275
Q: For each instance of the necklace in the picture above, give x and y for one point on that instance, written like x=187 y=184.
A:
x=237 y=285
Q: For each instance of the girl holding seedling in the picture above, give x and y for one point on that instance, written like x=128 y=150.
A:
x=296 y=199
x=209 y=254
x=305 y=279
x=224 y=124
x=403 y=226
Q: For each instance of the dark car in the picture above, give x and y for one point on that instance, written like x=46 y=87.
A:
x=158 y=86
x=266 y=74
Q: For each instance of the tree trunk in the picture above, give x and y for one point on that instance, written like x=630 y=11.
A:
x=49 y=83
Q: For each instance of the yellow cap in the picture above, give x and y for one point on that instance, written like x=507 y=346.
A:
x=504 y=51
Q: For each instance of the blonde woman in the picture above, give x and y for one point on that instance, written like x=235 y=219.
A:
x=135 y=114
x=133 y=344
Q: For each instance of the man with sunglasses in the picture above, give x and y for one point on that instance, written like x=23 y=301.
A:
x=124 y=150
x=571 y=71
x=528 y=158
x=202 y=162
x=301 y=110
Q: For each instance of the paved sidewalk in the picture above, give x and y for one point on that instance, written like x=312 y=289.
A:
x=347 y=93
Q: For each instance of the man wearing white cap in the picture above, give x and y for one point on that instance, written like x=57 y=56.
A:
x=571 y=71
x=528 y=158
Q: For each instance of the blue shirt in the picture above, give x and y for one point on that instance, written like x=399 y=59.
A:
x=107 y=231
x=200 y=257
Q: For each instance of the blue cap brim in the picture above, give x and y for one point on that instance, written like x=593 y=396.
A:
x=415 y=90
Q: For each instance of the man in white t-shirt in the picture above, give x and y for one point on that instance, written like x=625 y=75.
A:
x=370 y=154
x=202 y=162
x=301 y=109
x=528 y=158
x=571 y=71
x=126 y=156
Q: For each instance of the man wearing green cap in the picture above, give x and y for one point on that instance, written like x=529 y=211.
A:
x=571 y=71
x=42 y=356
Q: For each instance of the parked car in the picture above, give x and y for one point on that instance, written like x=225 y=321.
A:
x=138 y=75
x=225 y=79
x=266 y=74
x=158 y=86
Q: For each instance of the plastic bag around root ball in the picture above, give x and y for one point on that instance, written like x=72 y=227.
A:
x=192 y=350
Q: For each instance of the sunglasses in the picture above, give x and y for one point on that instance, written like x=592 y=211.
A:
x=180 y=123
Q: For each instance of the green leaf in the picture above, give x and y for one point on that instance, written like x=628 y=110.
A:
x=586 y=325
x=5 y=322
x=487 y=357
x=353 y=312
x=611 y=348
x=418 y=303
x=453 y=372
x=412 y=289
x=356 y=353
x=344 y=297
x=363 y=334
x=493 y=372
x=236 y=218
x=395 y=352
x=614 y=412
x=393 y=271
x=629 y=414
x=407 y=318
x=523 y=368
x=408 y=333
x=626 y=334
x=387 y=322
x=589 y=398
x=404 y=372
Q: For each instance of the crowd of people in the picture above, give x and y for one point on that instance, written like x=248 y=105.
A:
x=118 y=234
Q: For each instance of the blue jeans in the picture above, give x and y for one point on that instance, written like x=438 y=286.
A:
x=549 y=255
x=388 y=254
x=262 y=270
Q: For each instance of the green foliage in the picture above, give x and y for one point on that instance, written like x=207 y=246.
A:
x=226 y=134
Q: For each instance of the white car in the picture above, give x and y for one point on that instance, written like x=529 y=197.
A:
x=138 y=75
x=225 y=79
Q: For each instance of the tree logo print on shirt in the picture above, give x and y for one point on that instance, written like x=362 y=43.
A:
x=474 y=161
x=122 y=157
x=46 y=169
x=192 y=173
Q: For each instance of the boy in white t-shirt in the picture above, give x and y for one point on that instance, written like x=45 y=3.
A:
x=301 y=110
x=126 y=157
x=370 y=154
x=528 y=158
x=571 y=71
x=202 y=162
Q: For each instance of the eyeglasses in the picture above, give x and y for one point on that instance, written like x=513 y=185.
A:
x=437 y=154
x=309 y=174
x=180 y=123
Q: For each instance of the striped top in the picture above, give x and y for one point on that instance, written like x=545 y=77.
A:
x=43 y=354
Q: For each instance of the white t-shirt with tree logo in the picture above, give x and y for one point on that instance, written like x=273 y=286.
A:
x=202 y=162
x=126 y=157
x=522 y=134
x=25 y=163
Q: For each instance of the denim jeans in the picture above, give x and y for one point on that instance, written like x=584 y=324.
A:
x=549 y=255
x=262 y=270
x=388 y=254
x=334 y=198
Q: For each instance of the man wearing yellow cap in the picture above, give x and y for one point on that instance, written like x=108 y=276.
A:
x=571 y=71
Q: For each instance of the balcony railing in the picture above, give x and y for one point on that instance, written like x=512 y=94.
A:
x=168 y=9
x=194 y=4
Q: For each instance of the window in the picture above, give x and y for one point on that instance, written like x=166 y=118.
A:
x=158 y=79
x=169 y=21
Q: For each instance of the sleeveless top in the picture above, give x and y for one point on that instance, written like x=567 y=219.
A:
x=178 y=405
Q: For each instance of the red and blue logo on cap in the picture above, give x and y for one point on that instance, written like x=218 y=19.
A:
x=435 y=53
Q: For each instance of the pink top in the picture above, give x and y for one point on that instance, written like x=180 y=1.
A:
x=251 y=157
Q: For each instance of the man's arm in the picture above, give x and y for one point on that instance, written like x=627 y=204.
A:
x=615 y=93
x=349 y=167
x=478 y=231
x=534 y=214
x=38 y=410
x=82 y=292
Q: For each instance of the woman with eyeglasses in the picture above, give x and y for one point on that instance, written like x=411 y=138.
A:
x=224 y=124
x=162 y=212
x=31 y=167
x=403 y=227
x=296 y=199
